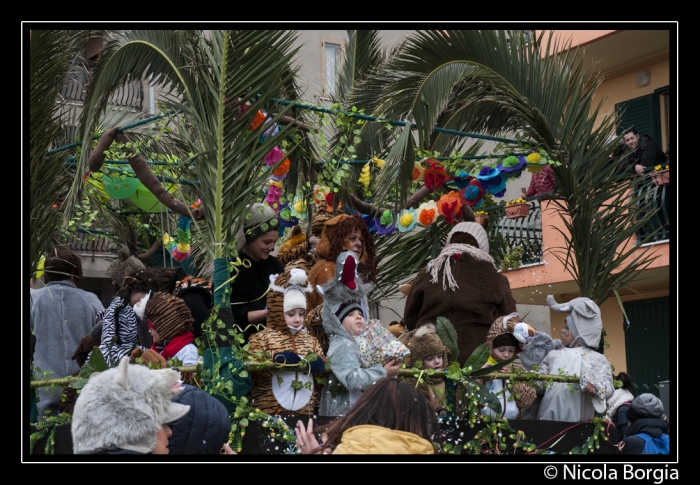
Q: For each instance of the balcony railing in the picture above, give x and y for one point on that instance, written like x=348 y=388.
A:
x=128 y=96
x=506 y=234
x=526 y=232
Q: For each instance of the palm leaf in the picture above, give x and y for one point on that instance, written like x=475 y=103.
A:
x=447 y=333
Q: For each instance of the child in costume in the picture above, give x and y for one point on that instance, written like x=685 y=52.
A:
x=505 y=338
x=427 y=347
x=619 y=404
x=344 y=316
x=648 y=432
x=580 y=337
x=170 y=323
x=286 y=341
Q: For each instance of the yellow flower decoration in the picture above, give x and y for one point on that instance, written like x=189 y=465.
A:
x=379 y=163
x=534 y=158
x=364 y=175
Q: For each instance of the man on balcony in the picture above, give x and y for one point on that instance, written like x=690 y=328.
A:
x=645 y=153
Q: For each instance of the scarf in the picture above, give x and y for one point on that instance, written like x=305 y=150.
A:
x=443 y=262
x=619 y=397
x=174 y=345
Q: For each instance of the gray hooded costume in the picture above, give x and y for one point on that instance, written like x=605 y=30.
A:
x=585 y=325
x=349 y=374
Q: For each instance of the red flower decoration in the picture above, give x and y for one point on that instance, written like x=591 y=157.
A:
x=435 y=176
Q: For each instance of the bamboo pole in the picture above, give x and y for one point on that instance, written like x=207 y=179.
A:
x=254 y=366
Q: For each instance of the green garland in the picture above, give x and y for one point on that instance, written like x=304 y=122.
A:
x=47 y=425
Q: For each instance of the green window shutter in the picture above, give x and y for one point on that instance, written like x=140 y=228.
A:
x=637 y=113
x=647 y=343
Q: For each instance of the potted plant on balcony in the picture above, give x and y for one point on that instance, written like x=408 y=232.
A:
x=480 y=216
x=660 y=175
x=517 y=208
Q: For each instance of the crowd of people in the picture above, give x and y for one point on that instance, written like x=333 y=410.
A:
x=310 y=316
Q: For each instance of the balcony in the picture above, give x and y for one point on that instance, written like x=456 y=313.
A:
x=526 y=232
x=129 y=96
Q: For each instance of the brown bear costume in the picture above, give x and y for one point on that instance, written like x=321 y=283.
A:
x=463 y=285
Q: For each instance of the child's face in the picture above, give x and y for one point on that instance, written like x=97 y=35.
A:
x=295 y=317
x=433 y=362
x=504 y=352
x=354 y=322
x=566 y=337
x=162 y=444
x=154 y=334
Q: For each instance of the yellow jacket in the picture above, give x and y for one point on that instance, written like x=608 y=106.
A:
x=368 y=439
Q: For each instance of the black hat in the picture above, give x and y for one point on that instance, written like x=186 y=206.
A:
x=348 y=307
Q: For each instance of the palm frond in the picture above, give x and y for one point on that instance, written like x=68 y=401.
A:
x=447 y=333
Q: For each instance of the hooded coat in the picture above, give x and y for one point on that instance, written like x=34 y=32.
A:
x=481 y=296
x=204 y=429
x=349 y=373
x=654 y=427
x=277 y=337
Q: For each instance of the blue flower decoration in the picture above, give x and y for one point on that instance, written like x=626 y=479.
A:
x=487 y=173
x=512 y=166
x=462 y=178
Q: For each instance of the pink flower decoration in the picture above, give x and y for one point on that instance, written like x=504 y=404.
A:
x=273 y=157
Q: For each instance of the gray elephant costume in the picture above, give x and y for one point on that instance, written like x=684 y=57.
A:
x=350 y=374
x=579 y=358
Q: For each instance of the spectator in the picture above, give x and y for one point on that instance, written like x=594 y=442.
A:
x=61 y=314
x=204 y=429
x=644 y=152
x=619 y=403
x=125 y=410
x=648 y=431
x=542 y=182
x=391 y=417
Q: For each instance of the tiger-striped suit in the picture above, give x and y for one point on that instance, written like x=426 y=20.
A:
x=276 y=338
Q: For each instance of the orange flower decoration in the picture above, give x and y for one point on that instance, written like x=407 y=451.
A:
x=427 y=213
x=259 y=118
x=418 y=172
x=435 y=176
x=449 y=205
x=283 y=168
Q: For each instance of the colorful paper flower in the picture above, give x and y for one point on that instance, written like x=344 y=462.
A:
x=407 y=220
x=274 y=156
x=427 y=213
x=473 y=193
x=379 y=163
x=512 y=166
x=364 y=175
x=449 y=206
x=536 y=162
x=369 y=220
x=492 y=181
x=435 y=176
x=298 y=208
x=462 y=178
x=286 y=217
x=282 y=169
x=418 y=172
x=257 y=121
x=534 y=158
x=385 y=223
x=274 y=192
x=271 y=131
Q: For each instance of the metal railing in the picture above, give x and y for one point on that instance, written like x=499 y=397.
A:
x=75 y=88
x=506 y=234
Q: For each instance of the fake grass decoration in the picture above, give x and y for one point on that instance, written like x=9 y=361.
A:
x=46 y=425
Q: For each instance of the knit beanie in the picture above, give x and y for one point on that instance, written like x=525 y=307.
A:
x=168 y=314
x=474 y=229
x=645 y=406
x=348 y=307
x=124 y=265
x=506 y=339
x=203 y=429
x=259 y=219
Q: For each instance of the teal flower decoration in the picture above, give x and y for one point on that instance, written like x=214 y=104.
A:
x=407 y=220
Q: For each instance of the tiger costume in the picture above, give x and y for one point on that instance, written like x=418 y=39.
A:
x=277 y=338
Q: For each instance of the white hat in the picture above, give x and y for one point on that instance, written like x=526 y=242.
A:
x=475 y=230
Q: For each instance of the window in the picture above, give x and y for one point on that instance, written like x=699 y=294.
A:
x=331 y=51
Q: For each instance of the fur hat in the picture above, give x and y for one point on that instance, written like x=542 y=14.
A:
x=124 y=265
x=645 y=406
x=168 y=314
x=537 y=349
x=583 y=320
x=124 y=407
x=475 y=230
x=295 y=292
x=424 y=342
